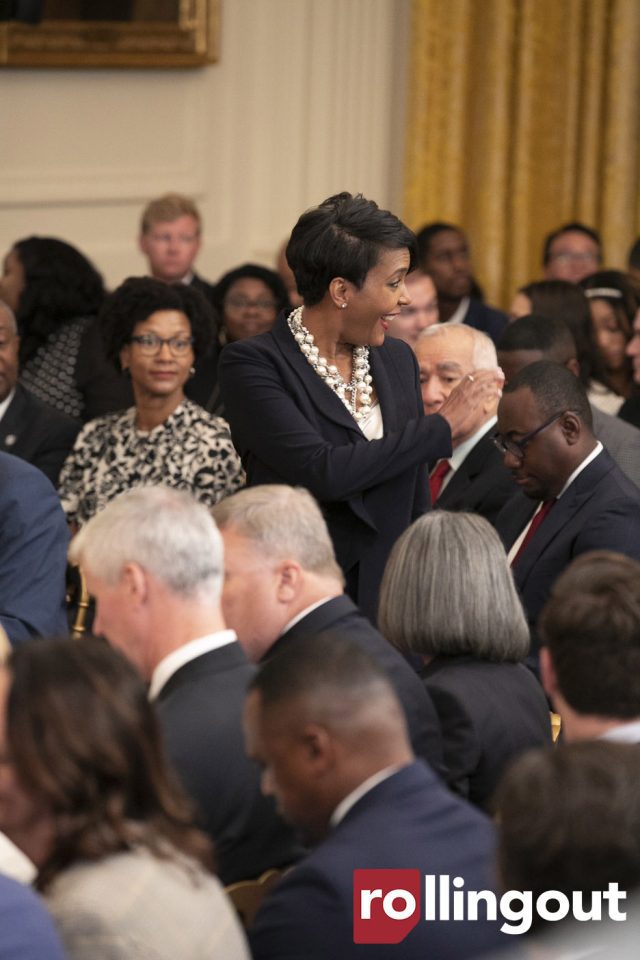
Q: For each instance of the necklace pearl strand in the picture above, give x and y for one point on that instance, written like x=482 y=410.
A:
x=359 y=387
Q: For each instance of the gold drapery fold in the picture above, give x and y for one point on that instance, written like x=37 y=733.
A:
x=523 y=114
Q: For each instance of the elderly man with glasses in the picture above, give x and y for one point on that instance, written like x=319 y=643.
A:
x=573 y=497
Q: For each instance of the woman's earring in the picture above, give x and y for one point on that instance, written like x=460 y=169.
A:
x=192 y=371
x=343 y=306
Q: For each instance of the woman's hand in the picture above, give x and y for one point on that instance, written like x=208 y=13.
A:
x=482 y=388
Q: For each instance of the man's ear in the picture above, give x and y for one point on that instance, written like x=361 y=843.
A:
x=134 y=579
x=571 y=427
x=573 y=366
x=289 y=583
x=318 y=748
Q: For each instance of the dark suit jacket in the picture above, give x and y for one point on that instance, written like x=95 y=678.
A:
x=33 y=553
x=482 y=483
x=599 y=511
x=409 y=821
x=200 y=709
x=289 y=427
x=35 y=432
x=341 y=614
x=489 y=714
x=488 y=319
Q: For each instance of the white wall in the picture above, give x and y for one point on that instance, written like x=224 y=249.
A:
x=306 y=99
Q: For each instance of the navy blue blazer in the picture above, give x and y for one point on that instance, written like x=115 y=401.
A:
x=409 y=821
x=290 y=427
x=200 y=709
x=341 y=614
x=485 y=318
x=482 y=484
x=33 y=553
x=599 y=511
x=37 y=433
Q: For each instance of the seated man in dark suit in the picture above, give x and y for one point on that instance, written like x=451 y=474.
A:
x=283 y=583
x=325 y=725
x=573 y=497
x=443 y=253
x=29 y=428
x=474 y=477
x=153 y=561
x=532 y=338
x=590 y=663
x=33 y=553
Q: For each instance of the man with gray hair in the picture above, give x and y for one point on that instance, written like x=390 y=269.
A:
x=153 y=561
x=29 y=428
x=474 y=477
x=283 y=583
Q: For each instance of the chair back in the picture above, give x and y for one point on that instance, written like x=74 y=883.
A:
x=247 y=895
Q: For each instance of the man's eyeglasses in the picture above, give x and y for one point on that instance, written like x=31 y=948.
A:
x=517 y=447
x=150 y=343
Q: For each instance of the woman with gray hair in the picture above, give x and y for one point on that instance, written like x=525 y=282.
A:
x=448 y=597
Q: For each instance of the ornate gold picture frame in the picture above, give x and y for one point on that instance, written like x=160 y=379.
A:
x=186 y=36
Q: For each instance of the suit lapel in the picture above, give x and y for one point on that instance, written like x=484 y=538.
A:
x=468 y=470
x=580 y=491
x=322 y=396
x=12 y=422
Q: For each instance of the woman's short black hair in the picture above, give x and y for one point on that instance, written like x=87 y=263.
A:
x=60 y=284
x=138 y=297
x=343 y=237
x=255 y=272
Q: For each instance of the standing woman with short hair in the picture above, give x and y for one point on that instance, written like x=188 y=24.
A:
x=324 y=401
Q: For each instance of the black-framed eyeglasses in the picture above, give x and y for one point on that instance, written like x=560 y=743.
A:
x=151 y=343
x=517 y=447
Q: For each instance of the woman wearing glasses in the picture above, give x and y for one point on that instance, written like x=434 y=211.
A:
x=154 y=332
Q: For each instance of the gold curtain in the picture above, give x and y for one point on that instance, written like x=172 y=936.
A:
x=523 y=114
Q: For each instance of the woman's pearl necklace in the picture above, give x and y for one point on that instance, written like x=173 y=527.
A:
x=359 y=388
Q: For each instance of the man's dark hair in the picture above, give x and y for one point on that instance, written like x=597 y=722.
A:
x=555 y=389
x=328 y=661
x=553 y=338
x=137 y=298
x=591 y=626
x=570 y=819
x=343 y=237
x=633 y=261
x=425 y=235
x=573 y=227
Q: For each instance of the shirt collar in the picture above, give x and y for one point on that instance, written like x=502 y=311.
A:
x=585 y=463
x=352 y=798
x=463 y=449
x=4 y=406
x=184 y=654
x=304 y=613
x=623 y=733
x=460 y=312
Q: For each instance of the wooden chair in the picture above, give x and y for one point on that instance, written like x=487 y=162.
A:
x=247 y=895
x=556 y=723
x=78 y=602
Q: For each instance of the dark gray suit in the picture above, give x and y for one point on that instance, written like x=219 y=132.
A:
x=621 y=440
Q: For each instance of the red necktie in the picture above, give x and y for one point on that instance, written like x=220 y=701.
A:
x=533 y=526
x=436 y=479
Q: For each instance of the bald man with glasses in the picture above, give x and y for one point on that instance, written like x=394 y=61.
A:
x=573 y=497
